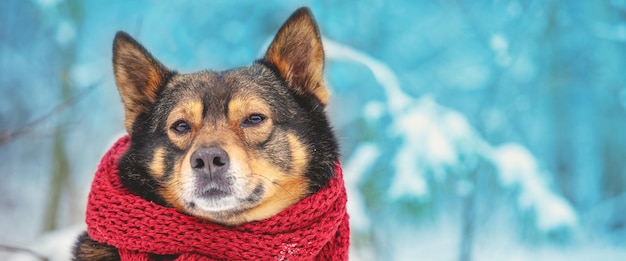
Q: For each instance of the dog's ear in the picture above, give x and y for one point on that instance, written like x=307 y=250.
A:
x=138 y=76
x=298 y=55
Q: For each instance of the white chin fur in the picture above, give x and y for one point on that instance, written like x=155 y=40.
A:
x=216 y=205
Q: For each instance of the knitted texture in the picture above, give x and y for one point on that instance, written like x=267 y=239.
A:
x=316 y=228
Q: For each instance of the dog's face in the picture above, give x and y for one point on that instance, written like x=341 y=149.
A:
x=232 y=146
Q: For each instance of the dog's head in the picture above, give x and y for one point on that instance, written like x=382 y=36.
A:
x=231 y=146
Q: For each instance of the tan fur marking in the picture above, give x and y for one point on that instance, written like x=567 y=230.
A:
x=285 y=190
x=189 y=111
x=157 y=166
x=171 y=190
x=299 y=156
x=243 y=106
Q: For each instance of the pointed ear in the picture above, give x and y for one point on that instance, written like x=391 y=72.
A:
x=138 y=76
x=298 y=55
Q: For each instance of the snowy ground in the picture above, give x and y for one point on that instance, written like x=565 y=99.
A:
x=56 y=246
x=430 y=244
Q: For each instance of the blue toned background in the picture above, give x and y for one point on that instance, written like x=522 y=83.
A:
x=470 y=130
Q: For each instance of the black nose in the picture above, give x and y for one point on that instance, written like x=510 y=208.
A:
x=211 y=161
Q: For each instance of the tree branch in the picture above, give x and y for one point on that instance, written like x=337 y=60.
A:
x=7 y=136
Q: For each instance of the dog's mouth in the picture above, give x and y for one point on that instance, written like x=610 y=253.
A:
x=212 y=202
x=214 y=196
x=214 y=193
x=211 y=187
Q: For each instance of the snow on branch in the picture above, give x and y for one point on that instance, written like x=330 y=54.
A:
x=437 y=139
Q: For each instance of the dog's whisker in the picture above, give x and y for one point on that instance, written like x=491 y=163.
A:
x=273 y=183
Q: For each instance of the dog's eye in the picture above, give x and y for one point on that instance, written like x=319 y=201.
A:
x=253 y=119
x=181 y=127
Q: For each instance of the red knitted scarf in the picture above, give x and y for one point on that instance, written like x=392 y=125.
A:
x=316 y=228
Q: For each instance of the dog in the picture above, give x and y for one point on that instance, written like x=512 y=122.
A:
x=229 y=147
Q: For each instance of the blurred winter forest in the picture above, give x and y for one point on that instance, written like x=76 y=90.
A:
x=470 y=130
